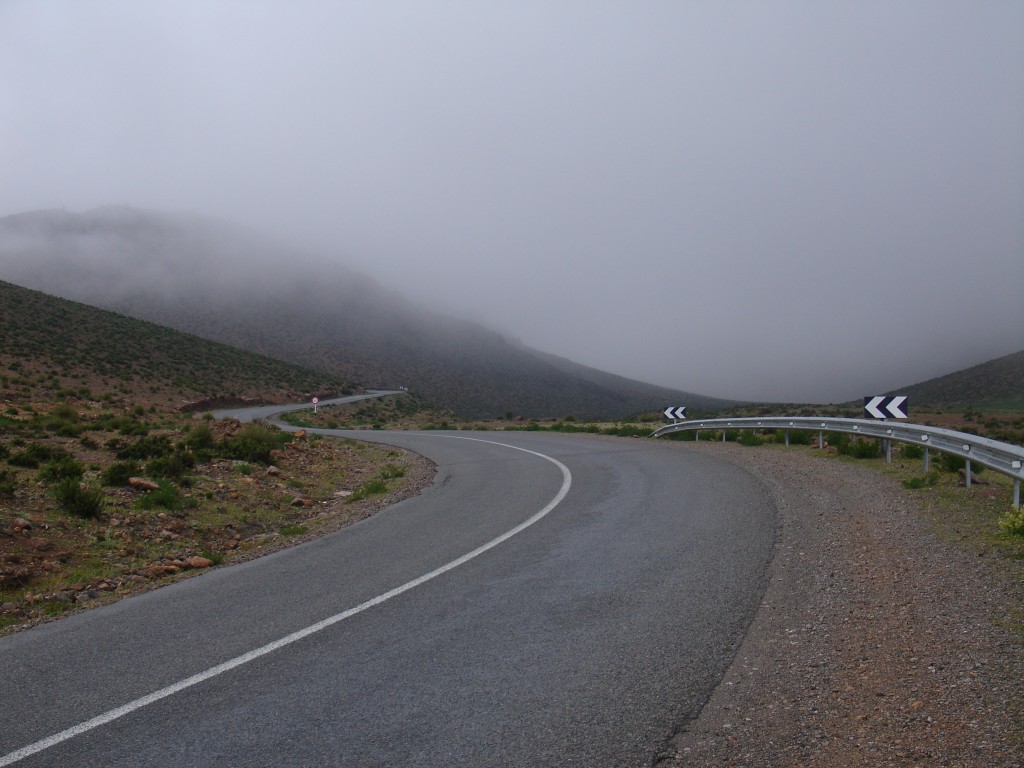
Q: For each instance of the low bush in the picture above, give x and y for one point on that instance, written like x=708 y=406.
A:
x=750 y=438
x=62 y=469
x=923 y=481
x=120 y=472
x=35 y=454
x=1013 y=522
x=952 y=463
x=7 y=483
x=165 y=497
x=78 y=500
x=374 y=487
x=911 y=451
x=858 y=449
x=200 y=437
x=254 y=442
x=173 y=466
x=147 y=448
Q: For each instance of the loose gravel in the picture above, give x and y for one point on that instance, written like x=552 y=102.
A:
x=876 y=644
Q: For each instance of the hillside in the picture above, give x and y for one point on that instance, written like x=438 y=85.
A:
x=228 y=285
x=52 y=348
x=998 y=383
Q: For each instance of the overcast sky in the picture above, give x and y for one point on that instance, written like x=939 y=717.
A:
x=791 y=201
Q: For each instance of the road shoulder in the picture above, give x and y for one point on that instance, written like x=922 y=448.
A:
x=876 y=643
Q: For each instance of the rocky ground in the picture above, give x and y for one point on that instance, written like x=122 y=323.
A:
x=878 y=642
x=53 y=563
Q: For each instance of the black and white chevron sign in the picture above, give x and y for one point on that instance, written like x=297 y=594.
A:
x=885 y=407
x=675 y=412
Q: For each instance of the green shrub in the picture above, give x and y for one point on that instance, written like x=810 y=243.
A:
x=78 y=500
x=131 y=428
x=390 y=471
x=35 y=454
x=165 y=497
x=749 y=437
x=120 y=472
x=200 y=437
x=374 y=487
x=254 y=442
x=7 y=483
x=62 y=469
x=858 y=449
x=1013 y=522
x=147 y=448
x=923 y=481
x=173 y=466
x=952 y=463
x=911 y=451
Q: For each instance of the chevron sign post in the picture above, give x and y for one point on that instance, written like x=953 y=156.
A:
x=675 y=412
x=885 y=407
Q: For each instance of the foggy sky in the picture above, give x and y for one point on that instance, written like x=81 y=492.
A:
x=790 y=201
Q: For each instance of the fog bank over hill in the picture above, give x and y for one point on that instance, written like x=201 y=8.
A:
x=227 y=284
x=783 y=201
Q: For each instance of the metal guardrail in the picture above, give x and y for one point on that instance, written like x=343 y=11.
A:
x=1005 y=458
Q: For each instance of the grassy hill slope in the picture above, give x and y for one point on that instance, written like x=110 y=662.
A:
x=52 y=348
x=997 y=384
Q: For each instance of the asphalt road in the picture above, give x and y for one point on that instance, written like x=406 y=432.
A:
x=585 y=639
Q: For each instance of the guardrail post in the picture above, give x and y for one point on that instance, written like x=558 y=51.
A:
x=967 y=473
x=888 y=451
x=723 y=435
x=787 y=438
x=926 y=457
x=1016 y=493
x=821 y=440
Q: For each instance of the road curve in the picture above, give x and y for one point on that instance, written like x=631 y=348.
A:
x=585 y=639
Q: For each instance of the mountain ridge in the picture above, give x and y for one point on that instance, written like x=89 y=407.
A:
x=212 y=280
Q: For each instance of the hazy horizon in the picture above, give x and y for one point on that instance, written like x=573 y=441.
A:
x=784 y=201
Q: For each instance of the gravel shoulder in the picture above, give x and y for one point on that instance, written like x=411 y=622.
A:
x=876 y=642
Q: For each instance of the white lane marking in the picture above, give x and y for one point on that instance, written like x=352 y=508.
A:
x=263 y=650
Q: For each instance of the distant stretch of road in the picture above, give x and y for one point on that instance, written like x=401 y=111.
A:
x=551 y=600
x=267 y=411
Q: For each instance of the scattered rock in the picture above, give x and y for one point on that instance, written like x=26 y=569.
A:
x=156 y=571
x=198 y=562
x=143 y=484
